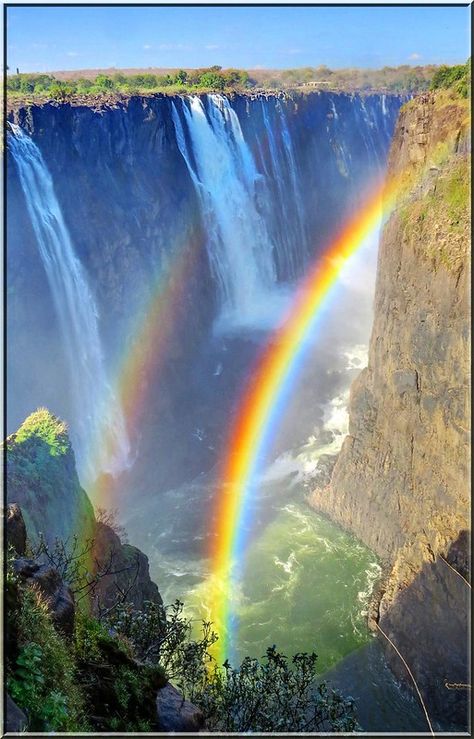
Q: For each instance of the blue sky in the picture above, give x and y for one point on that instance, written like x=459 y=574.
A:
x=54 y=38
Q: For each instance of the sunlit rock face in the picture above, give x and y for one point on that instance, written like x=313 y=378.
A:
x=243 y=191
x=401 y=480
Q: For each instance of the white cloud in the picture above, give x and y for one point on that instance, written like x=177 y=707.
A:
x=147 y=46
x=72 y=53
x=211 y=47
x=415 y=55
x=294 y=51
x=173 y=47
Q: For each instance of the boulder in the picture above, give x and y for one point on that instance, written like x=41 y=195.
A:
x=16 y=529
x=57 y=594
x=15 y=719
x=175 y=714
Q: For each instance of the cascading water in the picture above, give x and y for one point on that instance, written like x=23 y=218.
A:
x=223 y=171
x=96 y=411
x=287 y=211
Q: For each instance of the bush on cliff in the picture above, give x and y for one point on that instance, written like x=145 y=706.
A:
x=41 y=671
x=114 y=668
x=457 y=77
x=268 y=695
x=120 y=691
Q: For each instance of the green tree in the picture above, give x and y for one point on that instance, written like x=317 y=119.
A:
x=83 y=85
x=26 y=84
x=212 y=80
x=181 y=77
x=60 y=91
x=103 y=82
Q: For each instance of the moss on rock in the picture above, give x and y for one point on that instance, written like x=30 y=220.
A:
x=42 y=479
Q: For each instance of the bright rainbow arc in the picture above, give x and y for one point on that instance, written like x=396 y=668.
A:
x=265 y=398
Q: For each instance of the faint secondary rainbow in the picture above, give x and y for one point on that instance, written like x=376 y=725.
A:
x=152 y=329
x=265 y=399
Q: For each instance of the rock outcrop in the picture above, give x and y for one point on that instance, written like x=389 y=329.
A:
x=46 y=498
x=176 y=714
x=118 y=687
x=129 y=568
x=42 y=479
x=16 y=529
x=56 y=593
x=401 y=480
x=15 y=720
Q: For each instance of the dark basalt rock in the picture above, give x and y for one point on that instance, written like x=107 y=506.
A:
x=57 y=594
x=429 y=623
x=129 y=568
x=16 y=529
x=175 y=714
x=15 y=719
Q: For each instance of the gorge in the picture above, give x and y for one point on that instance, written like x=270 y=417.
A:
x=166 y=245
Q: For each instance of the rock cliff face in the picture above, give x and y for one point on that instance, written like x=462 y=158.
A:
x=42 y=479
x=401 y=480
x=130 y=567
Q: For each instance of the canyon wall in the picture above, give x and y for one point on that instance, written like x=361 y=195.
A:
x=401 y=481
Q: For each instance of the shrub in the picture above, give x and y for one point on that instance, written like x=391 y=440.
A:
x=181 y=77
x=42 y=678
x=457 y=77
x=120 y=691
x=275 y=694
x=212 y=80
x=103 y=82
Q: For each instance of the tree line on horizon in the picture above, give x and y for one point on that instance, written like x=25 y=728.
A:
x=214 y=78
x=403 y=79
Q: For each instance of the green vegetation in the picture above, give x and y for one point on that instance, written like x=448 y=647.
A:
x=438 y=223
x=403 y=79
x=44 y=426
x=211 y=78
x=42 y=477
x=106 y=677
x=457 y=78
x=119 y=691
x=41 y=672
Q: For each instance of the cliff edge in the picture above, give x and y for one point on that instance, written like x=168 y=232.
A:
x=400 y=482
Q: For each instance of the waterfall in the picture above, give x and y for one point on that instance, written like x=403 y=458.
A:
x=226 y=179
x=98 y=426
x=292 y=238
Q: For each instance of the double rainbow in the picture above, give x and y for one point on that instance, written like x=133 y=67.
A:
x=265 y=399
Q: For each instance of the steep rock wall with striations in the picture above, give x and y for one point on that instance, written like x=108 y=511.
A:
x=400 y=482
